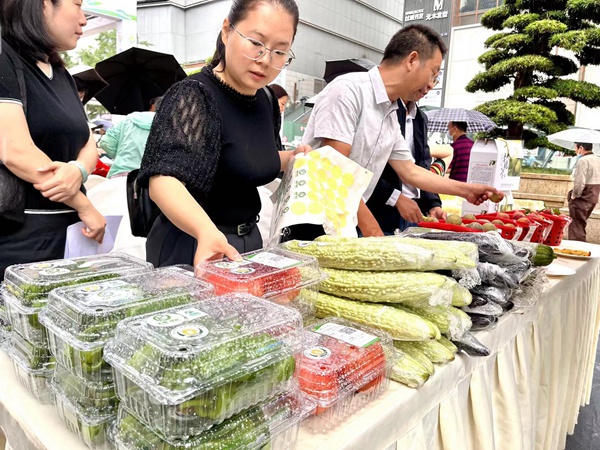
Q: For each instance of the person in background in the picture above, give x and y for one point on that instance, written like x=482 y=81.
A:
x=215 y=140
x=44 y=136
x=586 y=189
x=125 y=142
x=384 y=202
x=155 y=103
x=459 y=166
x=356 y=115
x=282 y=96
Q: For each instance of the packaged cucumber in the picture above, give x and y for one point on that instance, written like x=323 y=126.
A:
x=185 y=369
x=90 y=428
x=272 y=424
x=344 y=366
x=36 y=381
x=35 y=356
x=80 y=319
x=24 y=319
x=30 y=283
x=92 y=398
x=284 y=277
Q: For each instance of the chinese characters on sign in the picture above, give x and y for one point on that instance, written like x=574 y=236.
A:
x=417 y=14
x=437 y=15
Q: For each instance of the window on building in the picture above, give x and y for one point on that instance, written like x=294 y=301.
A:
x=470 y=11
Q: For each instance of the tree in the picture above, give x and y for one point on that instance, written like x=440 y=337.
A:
x=106 y=46
x=523 y=53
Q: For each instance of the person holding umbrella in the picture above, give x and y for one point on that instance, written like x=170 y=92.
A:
x=586 y=189
x=356 y=115
x=462 y=145
x=215 y=140
x=45 y=140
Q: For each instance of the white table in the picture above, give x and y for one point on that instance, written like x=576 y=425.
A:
x=526 y=395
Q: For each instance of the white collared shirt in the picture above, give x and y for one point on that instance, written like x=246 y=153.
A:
x=408 y=190
x=355 y=109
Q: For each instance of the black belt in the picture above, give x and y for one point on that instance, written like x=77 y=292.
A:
x=241 y=230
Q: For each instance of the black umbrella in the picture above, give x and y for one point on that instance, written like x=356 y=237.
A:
x=337 y=67
x=89 y=80
x=135 y=77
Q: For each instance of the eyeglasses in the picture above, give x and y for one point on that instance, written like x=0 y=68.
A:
x=255 y=50
x=437 y=78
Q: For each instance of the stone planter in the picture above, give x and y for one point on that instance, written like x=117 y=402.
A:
x=551 y=189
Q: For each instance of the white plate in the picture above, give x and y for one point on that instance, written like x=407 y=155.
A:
x=573 y=256
x=558 y=270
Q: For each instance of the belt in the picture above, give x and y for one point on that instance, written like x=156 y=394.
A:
x=241 y=230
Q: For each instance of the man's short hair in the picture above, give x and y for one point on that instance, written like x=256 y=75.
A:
x=462 y=126
x=156 y=101
x=586 y=145
x=414 y=38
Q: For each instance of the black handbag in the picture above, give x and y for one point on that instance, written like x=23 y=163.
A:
x=12 y=188
x=142 y=210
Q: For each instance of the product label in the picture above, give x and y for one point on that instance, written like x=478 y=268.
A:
x=231 y=264
x=243 y=270
x=192 y=313
x=274 y=260
x=49 y=265
x=317 y=352
x=165 y=320
x=115 y=292
x=186 y=332
x=54 y=272
x=349 y=335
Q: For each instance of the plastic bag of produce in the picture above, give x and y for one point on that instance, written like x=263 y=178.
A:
x=494 y=275
x=529 y=291
x=451 y=321
x=483 y=322
x=408 y=371
x=471 y=346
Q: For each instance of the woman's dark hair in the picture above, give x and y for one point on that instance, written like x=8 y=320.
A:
x=239 y=11
x=279 y=91
x=414 y=38
x=24 y=28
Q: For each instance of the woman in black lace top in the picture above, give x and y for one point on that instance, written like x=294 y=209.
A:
x=216 y=139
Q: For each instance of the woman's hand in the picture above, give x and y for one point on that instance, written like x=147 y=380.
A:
x=63 y=185
x=303 y=148
x=95 y=224
x=213 y=245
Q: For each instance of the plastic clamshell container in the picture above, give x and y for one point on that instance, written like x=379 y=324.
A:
x=344 y=366
x=92 y=398
x=272 y=424
x=24 y=319
x=30 y=283
x=281 y=276
x=35 y=356
x=186 y=369
x=91 y=429
x=80 y=319
x=36 y=381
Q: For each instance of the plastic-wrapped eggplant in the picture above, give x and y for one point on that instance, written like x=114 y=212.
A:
x=519 y=270
x=481 y=322
x=494 y=275
x=491 y=293
x=506 y=306
x=488 y=309
x=471 y=346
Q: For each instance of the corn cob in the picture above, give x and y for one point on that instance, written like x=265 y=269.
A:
x=401 y=325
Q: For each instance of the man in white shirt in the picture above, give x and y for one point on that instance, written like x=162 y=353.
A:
x=586 y=188
x=356 y=115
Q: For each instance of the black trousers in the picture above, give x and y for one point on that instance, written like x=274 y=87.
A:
x=42 y=237
x=168 y=245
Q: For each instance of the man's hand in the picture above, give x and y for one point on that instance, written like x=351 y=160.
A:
x=438 y=213
x=478 y=193
x=409 y=209
x=63 y=185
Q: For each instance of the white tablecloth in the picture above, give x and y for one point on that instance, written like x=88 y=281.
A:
x=526 y=395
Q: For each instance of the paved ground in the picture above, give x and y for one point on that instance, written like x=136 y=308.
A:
x=587 y=431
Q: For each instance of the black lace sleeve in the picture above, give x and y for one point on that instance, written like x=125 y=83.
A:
x=185 y=138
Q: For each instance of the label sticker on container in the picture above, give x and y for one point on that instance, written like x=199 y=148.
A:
x=317 y=352
x=92 y=288
x=192 y=313
x=119 y=293
x=189 y=332
x=48 y=265
x=274 y=260
x=54 y=271
x=231 y=264
x=165 y=320
x=243 y=270
x=349 y=335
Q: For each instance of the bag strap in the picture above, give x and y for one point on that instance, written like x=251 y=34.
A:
x=275 y=107
x=18 y=65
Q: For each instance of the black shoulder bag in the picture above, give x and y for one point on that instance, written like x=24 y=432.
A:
x=12 y=188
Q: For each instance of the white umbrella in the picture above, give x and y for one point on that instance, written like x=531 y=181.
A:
x=568 y=137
